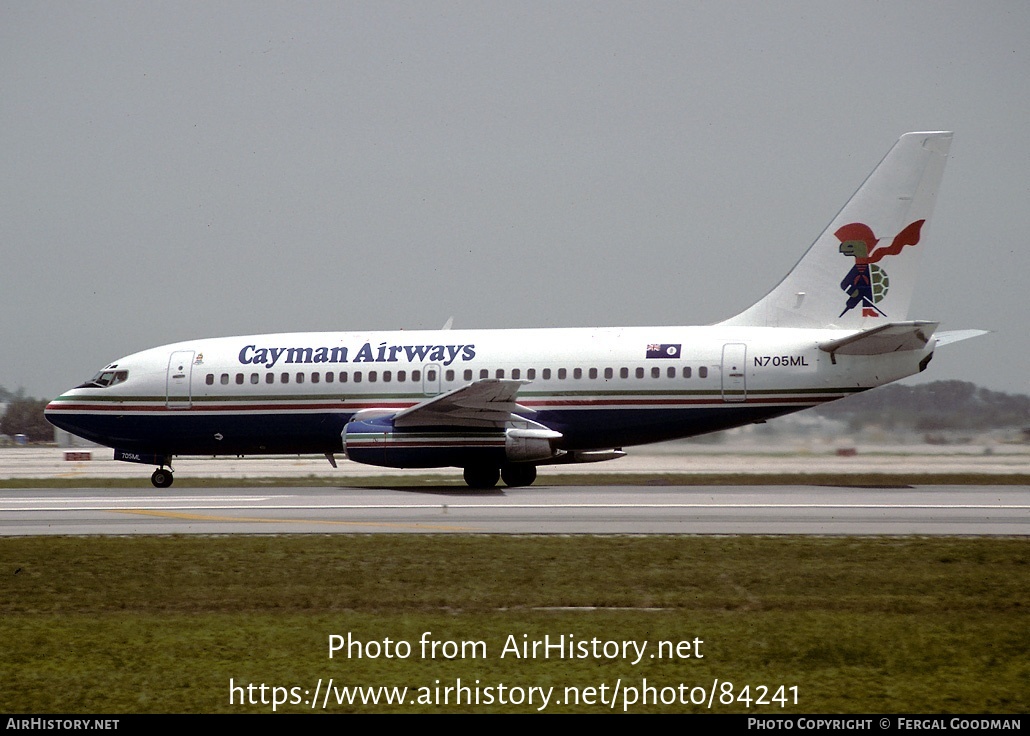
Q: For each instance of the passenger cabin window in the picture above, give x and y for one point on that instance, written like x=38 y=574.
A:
x=254 y=378
x=284 y=378
x=623 y=372
x=239 y=379
x=516 y=373
x=225 y=379
x=562 y=373
x=269 y=378
x=686 y=371
x=210 y=380
x=702 y=372
x=640 y=373
x=448 y=375
x=531 y=373
x=546 y=374
x=467 y=374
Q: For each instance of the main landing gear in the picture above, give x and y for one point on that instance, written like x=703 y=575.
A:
x=162 y=478
x=486 y=476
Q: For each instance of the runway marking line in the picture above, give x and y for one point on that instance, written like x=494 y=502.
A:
x=143 y=499
x=501 y=505
x=259 y=520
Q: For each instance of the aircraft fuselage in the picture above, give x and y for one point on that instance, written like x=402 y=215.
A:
x=600 y=388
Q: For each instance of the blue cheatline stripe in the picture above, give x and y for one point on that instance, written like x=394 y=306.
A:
x=189 y=432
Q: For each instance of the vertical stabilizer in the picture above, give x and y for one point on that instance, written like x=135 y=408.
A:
x=861 y=271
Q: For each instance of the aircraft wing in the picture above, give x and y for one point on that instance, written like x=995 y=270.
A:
x=487 y=403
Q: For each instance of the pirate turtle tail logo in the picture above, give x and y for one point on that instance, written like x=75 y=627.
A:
x=866 y=283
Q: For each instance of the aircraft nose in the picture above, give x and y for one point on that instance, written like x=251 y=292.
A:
x=50 y=411
x=56 y=412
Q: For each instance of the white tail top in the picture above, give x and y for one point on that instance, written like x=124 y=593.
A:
x=861 y=271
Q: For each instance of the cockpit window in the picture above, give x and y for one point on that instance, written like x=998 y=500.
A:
x=105 y=379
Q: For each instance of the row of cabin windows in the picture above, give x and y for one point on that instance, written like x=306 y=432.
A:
x=317 y=377
x=449 y=375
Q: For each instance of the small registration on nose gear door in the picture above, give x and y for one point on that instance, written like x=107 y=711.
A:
x=180 y=371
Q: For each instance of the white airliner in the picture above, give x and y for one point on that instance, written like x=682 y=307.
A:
x=499 y=403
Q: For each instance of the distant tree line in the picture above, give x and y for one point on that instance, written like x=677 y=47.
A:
x=25 y=416
x=941 y=405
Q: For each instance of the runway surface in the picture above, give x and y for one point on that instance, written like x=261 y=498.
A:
x=42 y=463
x=628 y=509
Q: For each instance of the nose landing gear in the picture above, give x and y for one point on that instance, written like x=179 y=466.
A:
x=162 y=478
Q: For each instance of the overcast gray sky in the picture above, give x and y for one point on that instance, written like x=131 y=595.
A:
x=175 y=170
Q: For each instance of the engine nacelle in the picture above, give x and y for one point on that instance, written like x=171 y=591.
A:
x=529 y=445
x=372 y=439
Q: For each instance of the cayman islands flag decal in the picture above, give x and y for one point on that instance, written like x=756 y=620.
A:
x=663 y=350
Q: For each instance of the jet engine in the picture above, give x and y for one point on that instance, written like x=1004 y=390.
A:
x=374 y=440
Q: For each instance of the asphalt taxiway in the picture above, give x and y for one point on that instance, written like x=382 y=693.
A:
x=625 y=509
x=69 y=464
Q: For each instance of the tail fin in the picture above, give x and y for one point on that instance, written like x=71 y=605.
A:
x=861 y=271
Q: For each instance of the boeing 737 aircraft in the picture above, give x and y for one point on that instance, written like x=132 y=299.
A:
x=500 y=403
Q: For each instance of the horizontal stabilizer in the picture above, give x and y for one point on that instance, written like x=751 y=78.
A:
x=950 y=336
x=890 y=338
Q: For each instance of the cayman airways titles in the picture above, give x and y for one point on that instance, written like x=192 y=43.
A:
x=383 y=353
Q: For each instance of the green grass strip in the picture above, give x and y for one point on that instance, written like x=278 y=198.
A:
x=161 y=624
